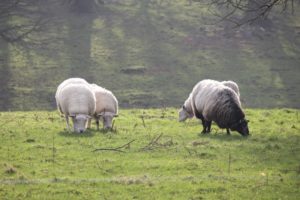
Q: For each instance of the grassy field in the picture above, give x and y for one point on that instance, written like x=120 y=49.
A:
x=151 y=54
x=166 y=159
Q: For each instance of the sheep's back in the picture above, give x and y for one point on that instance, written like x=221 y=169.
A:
x=77 y=99
x=105 y=100
x=69 y=81
x=204 y=93
x=224 y=108
x=233 y=85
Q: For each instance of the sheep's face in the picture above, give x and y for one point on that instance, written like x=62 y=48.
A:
x=79 y=122
x=107 y=119
x=242 y=127
x=183 y=114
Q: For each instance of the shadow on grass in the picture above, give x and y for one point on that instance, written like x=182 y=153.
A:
x=223 y=136
x=88 y=133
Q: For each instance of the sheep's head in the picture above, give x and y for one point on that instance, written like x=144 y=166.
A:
x=241 y=126
x=184 y=114
x=79 y=122
x=107 y=118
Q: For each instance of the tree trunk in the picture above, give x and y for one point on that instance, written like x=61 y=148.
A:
x=5 y=76
x=78 y=46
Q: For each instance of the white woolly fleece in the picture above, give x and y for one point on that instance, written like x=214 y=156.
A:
x=76 y=98
x=105 y=100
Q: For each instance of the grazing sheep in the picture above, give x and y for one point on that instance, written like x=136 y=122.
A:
x=106 y=106
x=186 y=111
x=76 y=100
x=213 y=101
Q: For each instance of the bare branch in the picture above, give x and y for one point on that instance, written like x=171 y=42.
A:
x=256 y=9
x=21 y=18
x=154 y=143
x=118 y=149
x=10 y=34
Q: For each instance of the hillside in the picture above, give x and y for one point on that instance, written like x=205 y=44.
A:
x=150 y=55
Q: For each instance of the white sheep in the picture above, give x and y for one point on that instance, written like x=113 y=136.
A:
x=186 y=111
x=76 y=100
x=106 y=106
x=66 y=82
x=213 y=101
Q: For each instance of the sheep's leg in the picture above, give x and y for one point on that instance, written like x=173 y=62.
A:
x=204 y=130
x=228 y=131
x=199 y=116
x=204 y=126
x=97 y=123
x=89 y=123
x=67 y=121
x=208 y=123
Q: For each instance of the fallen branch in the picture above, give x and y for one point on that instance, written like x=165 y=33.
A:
x=154 y=140
x=118 y=149
x=152 y=143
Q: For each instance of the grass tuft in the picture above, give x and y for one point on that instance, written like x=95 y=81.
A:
x=10 y=170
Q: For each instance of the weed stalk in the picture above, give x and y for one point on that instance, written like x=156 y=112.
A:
x=53 y=153
x=144 y=124
x=229 y=163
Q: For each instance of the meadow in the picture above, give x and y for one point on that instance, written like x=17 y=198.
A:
x=149 y=155
x=150 y=54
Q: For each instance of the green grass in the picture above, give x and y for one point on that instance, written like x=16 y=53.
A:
x=39 y=159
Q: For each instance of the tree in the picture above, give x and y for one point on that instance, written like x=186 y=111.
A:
x=252 y=10
x=20 y=18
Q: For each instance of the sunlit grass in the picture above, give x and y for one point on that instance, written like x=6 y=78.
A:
x=165 y=160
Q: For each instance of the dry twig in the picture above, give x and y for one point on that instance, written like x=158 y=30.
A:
x=118 y=149
x=154 y=143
